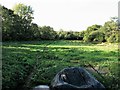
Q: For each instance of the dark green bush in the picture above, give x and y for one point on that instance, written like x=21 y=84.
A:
x=95 y=36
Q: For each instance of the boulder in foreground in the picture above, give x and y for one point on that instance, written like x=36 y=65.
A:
x=75 y=78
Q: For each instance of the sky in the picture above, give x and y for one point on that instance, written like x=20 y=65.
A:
x=69 y=15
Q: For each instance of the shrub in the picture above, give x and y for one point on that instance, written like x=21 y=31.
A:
x=96 y=36
x=113 y=38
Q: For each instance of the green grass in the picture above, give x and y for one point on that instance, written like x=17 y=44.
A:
x=19 y=59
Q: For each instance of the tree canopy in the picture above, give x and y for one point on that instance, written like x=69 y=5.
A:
x=17 y=25
x=23 y=11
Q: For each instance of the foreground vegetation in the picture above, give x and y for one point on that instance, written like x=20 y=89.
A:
x=27 y=64
x=30 y=63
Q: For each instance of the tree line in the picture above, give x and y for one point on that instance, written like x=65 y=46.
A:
x=17 y=25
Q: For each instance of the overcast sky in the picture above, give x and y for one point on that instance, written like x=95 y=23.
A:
x=73 y=15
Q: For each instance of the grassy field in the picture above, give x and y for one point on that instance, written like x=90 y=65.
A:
x=27 y=64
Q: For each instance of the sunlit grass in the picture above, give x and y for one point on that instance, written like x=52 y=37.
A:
x=19 y=59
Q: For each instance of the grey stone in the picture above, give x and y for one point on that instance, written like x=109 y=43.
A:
x=75 y=78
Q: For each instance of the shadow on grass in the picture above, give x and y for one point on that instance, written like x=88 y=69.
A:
x=19 y=59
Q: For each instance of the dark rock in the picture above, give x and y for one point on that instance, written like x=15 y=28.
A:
x=75 y=79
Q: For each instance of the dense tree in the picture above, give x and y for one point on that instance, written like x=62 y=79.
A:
x=96 y=36
x=61 y=34
x=109 y=28
x=23 y=11
x=47 y=33
x=8 y=23
x=35 y=31
x=91 y=29
x=81 y=35
x=17 y=25
x=113 y=38
x=70 y=35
